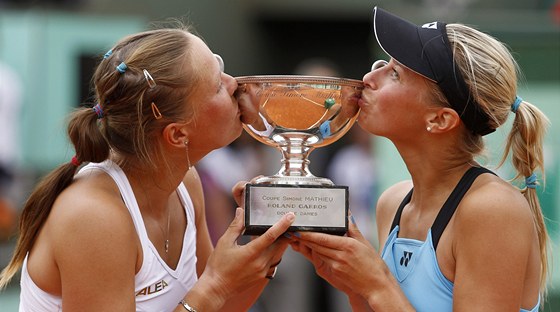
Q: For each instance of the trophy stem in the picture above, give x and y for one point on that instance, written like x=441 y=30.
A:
x=295 y=166
x=295 y=162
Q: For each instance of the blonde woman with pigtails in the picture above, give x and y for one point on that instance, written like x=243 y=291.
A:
x=456 y=237
x=121 y=226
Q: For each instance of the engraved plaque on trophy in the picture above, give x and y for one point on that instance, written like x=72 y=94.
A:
x=297 y=114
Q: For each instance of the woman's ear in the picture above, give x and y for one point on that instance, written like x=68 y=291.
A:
x=442 y=120
x=176 y=134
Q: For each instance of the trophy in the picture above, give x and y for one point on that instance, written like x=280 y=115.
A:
x=297 y=114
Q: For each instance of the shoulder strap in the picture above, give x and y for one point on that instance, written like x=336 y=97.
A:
x=398 y=214
x=453 y=201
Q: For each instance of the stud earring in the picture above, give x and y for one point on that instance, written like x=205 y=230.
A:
x=429 y=129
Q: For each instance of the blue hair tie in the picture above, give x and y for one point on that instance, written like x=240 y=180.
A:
x=98 y=110
x=531 y=181
x=122 y=67
x=108 y=54
x=516 y=104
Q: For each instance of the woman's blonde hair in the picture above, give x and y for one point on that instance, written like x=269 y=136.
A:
x=491 y=72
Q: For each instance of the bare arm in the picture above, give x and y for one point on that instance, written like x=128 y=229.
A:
x=234 y=275
x=494 y=239
x=94 y=247
x=234 y=268
x=204 y=245
x=352 y=265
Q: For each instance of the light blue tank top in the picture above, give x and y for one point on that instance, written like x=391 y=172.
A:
x=414 y=264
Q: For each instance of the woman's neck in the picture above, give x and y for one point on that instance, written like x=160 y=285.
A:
x=434 y=174
x=151 y=186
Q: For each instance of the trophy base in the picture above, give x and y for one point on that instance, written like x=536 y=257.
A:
x=318 y=208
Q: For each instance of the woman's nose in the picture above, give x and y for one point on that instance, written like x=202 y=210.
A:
x=369 y=77
x=230 y=82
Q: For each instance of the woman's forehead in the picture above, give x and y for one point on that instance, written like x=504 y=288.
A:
x=202 y=60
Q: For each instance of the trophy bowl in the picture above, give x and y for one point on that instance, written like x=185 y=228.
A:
x=297 y=114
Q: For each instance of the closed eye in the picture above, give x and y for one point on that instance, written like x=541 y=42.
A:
x=394 y=73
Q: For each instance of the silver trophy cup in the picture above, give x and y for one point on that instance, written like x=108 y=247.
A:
x=297 y=114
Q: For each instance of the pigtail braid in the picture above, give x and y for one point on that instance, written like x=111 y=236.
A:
x=525 y=143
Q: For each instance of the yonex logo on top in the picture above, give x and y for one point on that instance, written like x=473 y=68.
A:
x=405 y=259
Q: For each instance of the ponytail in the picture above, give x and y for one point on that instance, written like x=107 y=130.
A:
x=90 y=146
x=525 y=143
x=491 y=73
x=34 y=215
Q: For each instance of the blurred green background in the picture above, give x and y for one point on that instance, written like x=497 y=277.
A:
x=54 y=45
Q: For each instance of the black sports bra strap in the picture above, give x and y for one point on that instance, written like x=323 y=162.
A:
x=397 y=218
x=450 y=205
x=453 y=201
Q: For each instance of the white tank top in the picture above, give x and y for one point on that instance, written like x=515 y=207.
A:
x=157 y=286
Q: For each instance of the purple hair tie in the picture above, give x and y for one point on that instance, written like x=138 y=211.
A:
x=98 y=110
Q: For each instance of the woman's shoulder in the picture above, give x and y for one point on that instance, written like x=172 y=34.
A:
x=88 y=230
x=91 y=203
x=392 y=197
x=492 y=206
x=492 y=197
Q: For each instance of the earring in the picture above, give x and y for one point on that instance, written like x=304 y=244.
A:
x=429 y=129
x=187 y=149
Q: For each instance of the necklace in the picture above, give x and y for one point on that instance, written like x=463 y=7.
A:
x=167 y=233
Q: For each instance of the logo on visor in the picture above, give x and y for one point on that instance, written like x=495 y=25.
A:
x=432 y=25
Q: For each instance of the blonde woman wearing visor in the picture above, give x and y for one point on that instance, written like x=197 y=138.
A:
x=456 y=237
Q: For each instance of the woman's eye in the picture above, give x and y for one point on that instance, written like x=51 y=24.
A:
x=394 y=73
